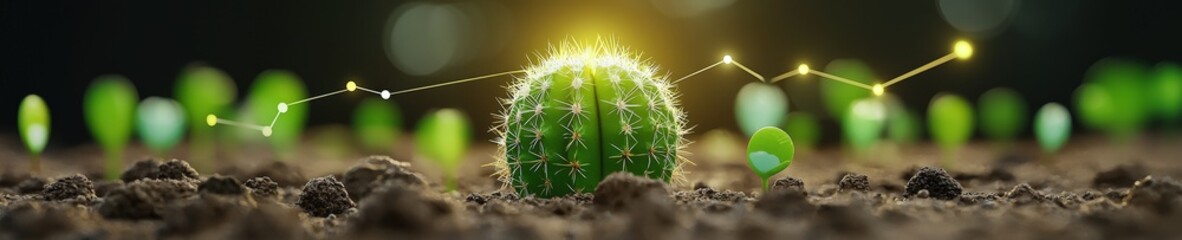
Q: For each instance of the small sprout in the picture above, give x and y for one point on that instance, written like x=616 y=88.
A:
x=443 y=136
x=110 y=112
x=1125 y=82
x=160 y=123
x=760 y=105
x=377 y=124
x=950 y=121
x=804 y=128
x=271 y=93
x=863 y=124
x=1052 y=127
x=1167 y=92
x=1003 y=114
x=204 y=93
x=769 y=152
x=33 y=119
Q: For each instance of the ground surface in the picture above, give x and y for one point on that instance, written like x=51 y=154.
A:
x=1092 y=190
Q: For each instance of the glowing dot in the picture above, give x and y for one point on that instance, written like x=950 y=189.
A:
x=878 y=89
x=266 y=131
x=351 y=86
x=963 y=50
x=282 y=107
x=211 y=120
x=385 y=94
x=803 y=69
x=727 y=59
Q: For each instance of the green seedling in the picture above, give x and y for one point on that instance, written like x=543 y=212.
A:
x=1003 y=114
x=950 y=121
x=760 y=105
x=1167 y=92
x=443 y=137
x=583 y=113
x=863 y=124
x=378 y=124
x=275 y=92
x=33 y=120
x=201 y=91
x=110 y=112
x=902 y=126
x=805 y=129
x=160 y=123
x=769 y=152
x=1052 y=127
x=1125 y=82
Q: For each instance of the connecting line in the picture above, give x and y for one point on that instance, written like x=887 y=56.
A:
x=841 y=79
x=920 y=69
x=786 y=75
x=725 y=60
x=961 y=50
x=351 y=86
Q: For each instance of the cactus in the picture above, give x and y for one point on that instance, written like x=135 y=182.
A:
x=584 y=112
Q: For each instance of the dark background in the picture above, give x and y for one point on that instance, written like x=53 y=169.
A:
x=55 y=48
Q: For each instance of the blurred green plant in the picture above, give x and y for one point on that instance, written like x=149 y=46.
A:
x=377 y=124
x=804 y=128
x=863 y=124
x=160 y=123
x=1052 y=127
x=272 y=91
x=1003 y=114
x=860 y=132
x=760 y=105
x=1123 y=112
x=110 y=112
x=902 y=126
x=443 y=136
x=33 y=121
x=950 y=122
x=1167 y=91
x=769 y=151
x=202 y=90
x=1094 y=105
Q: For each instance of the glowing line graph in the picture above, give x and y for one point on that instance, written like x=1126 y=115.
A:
x=961 y=50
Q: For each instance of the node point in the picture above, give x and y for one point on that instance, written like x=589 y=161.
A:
x=282 y=107
x=878 y=89
x=266 y=131
x=803 y=69
x=962 y=49
x=385 y=94
x=727 y=59
x=351 y=86
x=211 y=120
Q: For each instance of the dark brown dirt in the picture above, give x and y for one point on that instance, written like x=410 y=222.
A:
x=324 y=196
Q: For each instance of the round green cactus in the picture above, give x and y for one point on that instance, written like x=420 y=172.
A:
x=272 y=92
x=33 y=120
x=110 y=113
x=378 y=124
x=1003 y=114
x=585 y=112
x=950 y=121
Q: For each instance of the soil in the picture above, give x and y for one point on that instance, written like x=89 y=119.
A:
x=1090 y=191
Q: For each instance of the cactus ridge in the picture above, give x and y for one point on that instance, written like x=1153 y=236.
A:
x=584 y=112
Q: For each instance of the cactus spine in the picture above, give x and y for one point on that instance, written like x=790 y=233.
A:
x=583 y=112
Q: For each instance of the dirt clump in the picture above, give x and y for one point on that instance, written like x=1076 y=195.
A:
x=141 y=169
x=396 y=209
x=263 y=187
x=280 y=172
x=620 y=190
x=324 y=196
x=75 y=187
x=224 y=185
x=937 y=183
x=144 y=199
x=1161 y=195
x=854 y=182
x=788 y=184
x=375 y=171
x=176 y=170
x=1124 y=175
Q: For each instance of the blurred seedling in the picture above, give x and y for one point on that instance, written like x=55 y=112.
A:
x=443 y=136
x=203 y=90
x=1003 y=114
x=769 y=151
x=1113 y=98
x=1167 y=93
x=33 y=121
x=804 y=128
x=760 y=105
x=1052 y=127
x=109 y=105
x=377 y=124
x=950 y=122
x=863 y=124
x=160 y=123
x=275 y=93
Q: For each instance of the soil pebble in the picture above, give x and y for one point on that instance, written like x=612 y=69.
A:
x=176 y=170
x=1024 y=194
x=396 y=209
x=374 y=171
x=144 y=199
x=935 y=181
x=263 y=187
x=71 y=187
x=142 y=169
x=619 y=191
x=854 y=182
x=1161 y=195
x=224 y=185
x=788 y=184
x=1124 y=175
x=324 y=196
x=31 y=185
